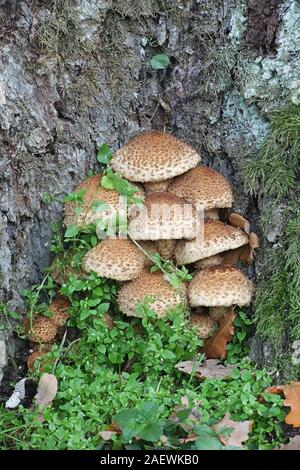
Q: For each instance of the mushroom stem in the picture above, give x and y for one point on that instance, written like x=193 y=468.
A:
x=212 y=214
x=217 y=313
x=156 y=186
x=166 y=248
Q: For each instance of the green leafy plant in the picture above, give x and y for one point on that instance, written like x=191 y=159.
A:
x=159 y=61
x=112 y=180
x=104 y=154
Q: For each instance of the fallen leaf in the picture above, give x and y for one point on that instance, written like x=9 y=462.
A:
x=238 y=221
x=216 y=346
x=291 y=393
x=293 y=444
x=292 y=399
x=107 y=435
x=47 y=389
x=192 y=437
x=238 y=435
x=210 y=369
x=192 y=415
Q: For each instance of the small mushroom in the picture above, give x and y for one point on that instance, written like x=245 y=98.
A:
x=217 y=237
x=154 y=156
x=43 y=330
x=150 y=286
x=36 y=356
x=59 y=307
x=205 y=188
x=116 y=258
x=204 y=324
x=94 y=192
x=164 y=216
x=220 y=286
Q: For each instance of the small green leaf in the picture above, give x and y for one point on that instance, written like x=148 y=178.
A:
x=159 y=61
x=166 y=354
x=104 y=154
x=107 y=183
x=47 y=198
x=100 y=206
x=72 y=231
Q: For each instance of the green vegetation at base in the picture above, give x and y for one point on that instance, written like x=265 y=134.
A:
x=271 y=175
x=130 y=366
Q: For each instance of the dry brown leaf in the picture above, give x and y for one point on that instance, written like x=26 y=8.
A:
x=192 y=437
x=107 y=435
x=216 y=346
x=238 y=221
x=47 y=389
x=239 y=434
x=293 y=444
x=292 y=399
x=210 y=369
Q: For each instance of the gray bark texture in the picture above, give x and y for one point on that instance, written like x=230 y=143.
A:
x=76 y=74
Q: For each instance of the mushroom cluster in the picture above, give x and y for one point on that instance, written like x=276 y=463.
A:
x=176 y=191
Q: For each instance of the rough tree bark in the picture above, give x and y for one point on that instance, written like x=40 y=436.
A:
x=75 y=74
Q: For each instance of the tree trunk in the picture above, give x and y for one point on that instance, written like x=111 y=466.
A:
x=76 y=74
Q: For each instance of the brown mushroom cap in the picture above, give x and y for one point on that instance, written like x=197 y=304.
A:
x=220 y=286
x=154 y=156
x=116 y=259
x=43 y=330
x=58 y=308
x=205 y=325
x=204 y=187
x=150 y=285
x=34 y=356
x=94 y=192
x=164 y=216
x=217 y=237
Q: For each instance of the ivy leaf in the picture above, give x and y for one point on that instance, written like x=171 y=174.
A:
x=72 y=231
x=159 y=61
x=104 y=154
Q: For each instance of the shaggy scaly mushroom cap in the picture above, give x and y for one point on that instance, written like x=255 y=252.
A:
x=154 y=156
x=220 y=286
x=217 y=237
x=43 y=330
x=204 y=187
x=58 y=308
x=116 y=259
x=205 y=325
x=154 y=286
x=164 y=216
x=94 y=193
